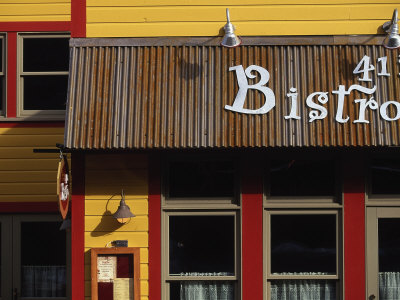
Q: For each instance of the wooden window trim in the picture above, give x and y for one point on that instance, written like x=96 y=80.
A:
x=36 y=114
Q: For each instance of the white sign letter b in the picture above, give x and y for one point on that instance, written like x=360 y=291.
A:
x=244 y=86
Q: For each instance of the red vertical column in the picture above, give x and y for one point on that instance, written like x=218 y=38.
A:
x=11 y=75
x=354 y=229
x=154 y=228
x=78 y=18
x=78 y=227
x=252 y=232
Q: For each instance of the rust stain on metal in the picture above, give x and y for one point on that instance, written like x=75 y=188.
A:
x=134 y=97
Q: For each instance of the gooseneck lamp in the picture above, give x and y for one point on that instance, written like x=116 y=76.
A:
x=230 y=39
x=123 y=213
x=392 y=41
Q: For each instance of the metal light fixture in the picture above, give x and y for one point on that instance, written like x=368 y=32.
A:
x=230 y=39
x=123 y=213
x=392 y=41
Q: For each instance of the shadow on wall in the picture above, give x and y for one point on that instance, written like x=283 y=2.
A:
x=107 y=223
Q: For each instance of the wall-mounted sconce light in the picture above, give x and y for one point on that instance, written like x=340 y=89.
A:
x=123 y=213
x=230 y=39
x=392 y=41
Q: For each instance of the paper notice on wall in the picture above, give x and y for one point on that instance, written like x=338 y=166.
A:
x=123 y=288
x=106 y=268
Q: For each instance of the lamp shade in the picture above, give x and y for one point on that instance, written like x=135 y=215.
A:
x=230 y=39
x=392 y=41
x=123 y=213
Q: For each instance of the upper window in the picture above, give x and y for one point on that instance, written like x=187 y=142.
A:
x=385 y=177
x=43 y=74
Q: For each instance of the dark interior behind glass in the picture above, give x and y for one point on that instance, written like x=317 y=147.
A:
x=201 y=179
x=45 y=54
x=389 y=244
x=303 y=243
x=385 y=176
x=302 y=178
x=201 y=244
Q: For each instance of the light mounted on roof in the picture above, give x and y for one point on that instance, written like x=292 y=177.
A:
x=230 y=39
x=392 y=41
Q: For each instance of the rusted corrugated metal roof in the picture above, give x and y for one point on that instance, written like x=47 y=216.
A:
x=123 y=95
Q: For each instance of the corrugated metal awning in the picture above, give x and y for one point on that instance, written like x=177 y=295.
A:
x=130 y=94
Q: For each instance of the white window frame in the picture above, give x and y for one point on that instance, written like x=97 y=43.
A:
x=37 y=114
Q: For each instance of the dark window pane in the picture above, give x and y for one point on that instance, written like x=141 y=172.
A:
x=43 y=258
x=389 y=245
x=303 y=243
x=46 y=54
x=1 y=54
x=302 y=178
x=201 y=244
x=385 y=176
x=45 y=92
x=303 y=289
x=1 y=92
x=193 y=290
x=201 y=179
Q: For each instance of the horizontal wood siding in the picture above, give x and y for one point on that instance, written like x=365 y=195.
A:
x=26 y=176
x=105 y=176
x=35 y=10
x=126 y=18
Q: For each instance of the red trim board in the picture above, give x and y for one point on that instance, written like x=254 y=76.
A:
x=78 y=226
x=24 y=124
x=154 y=228
x=11 y=105
x=35 y=26
x=252 y=233
x=354 y=230
x=78 y=18
x=28 y=207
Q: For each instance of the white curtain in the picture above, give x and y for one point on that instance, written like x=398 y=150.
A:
x=389 y=285
x=43 y=281
x=206 y=290
x=303 y=289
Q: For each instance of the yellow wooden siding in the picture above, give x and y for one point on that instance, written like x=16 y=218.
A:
x=105 y=176
x=26 y=176
x=126 y=18
x=35 y=10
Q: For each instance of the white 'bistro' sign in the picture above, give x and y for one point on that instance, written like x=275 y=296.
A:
x=314 y=100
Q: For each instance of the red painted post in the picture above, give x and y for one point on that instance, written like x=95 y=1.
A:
x=78 y=18
x=154 y=228
x=354 y=229
x=78 y=226
x=252 y=232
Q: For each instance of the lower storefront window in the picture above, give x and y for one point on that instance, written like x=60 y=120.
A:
x=201 y=255
x=302 y=255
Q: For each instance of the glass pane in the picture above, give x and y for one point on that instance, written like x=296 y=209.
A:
x=201 y=244
x=303 y=243
x=302 y=178
x=1 y=92
x=201 y=179
x=202 y=290
x=45 y=92
x=43 y=260
x=385 y=176
x=46 y=54
x=1 y=54
x=389 y=258
x=303 y=289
